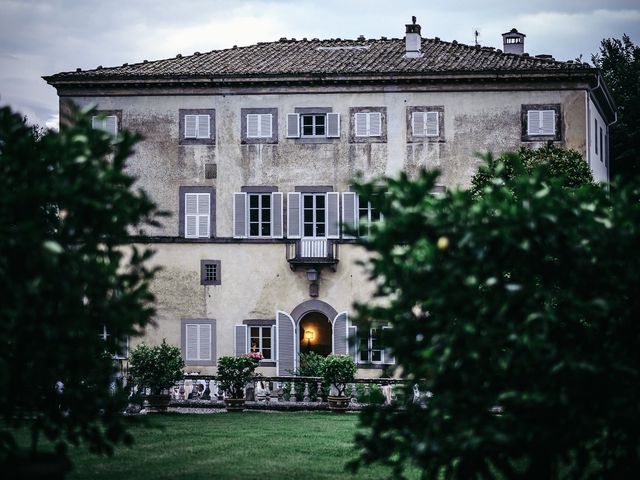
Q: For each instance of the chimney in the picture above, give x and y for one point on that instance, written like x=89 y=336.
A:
x=513 y=42
x=412 y=40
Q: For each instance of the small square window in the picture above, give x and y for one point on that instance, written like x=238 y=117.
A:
x=541 y=123
x=368 y=124
x=258 y=126
x=197 y=126
x=107 y=120
x=210 y=272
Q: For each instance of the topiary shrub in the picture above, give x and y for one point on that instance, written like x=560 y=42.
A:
x=338 y=371
x=157 y=368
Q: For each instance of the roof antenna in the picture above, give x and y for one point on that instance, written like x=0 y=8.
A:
x=476 y=34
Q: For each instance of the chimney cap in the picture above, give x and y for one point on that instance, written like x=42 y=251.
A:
x=413 y=27
x=514 y=31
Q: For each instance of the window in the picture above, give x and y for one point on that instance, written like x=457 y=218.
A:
x=595 y=133
x=313 y=212
x=314 y=218
x=313 y=125
x=601 y=150
x=425 y=124
x=196 y=216
x=198 y=341
x=260 y=340
x=197 y=212
x=108 y=124
x=196 y=126
x=122 y=347
x=368 y=124
x=370 y=348
x=259 y=125
x=257 y=213
x=210 y=272
x=367 y=214
x=541 y=123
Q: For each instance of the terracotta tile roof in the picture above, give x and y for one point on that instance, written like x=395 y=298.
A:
x=333 y=57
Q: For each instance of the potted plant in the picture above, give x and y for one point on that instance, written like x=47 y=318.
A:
x=338 y=371
x=233 y=375
x=157 y=368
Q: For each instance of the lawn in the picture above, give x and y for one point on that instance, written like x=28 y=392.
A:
x=249 y=445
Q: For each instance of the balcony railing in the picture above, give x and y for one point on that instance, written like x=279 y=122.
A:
x=312 y=252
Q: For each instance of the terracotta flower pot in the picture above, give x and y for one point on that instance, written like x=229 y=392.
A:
x=338 y=404
x=157 y=403
x=234 y=404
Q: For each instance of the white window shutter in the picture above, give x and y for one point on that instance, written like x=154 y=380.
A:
x=96 y=123
x=204 y=204
x=431 y=124
x=190 y=126
x=253 y=125
x=191 y=341
x=276 y=215
x=204 y=342
x=333 y=215
x=241 y=340
x=349 y=213
x=111 y=125
x=204 y=122
x=418 y=123
x=353 y=343
x=547 y=122
x=294 y=227
x=375 y=124
x=533 y=122
x=266 y=122
x=239 y=215
x=387 y=357
x=333 y=125
x=293 y=125
x=361 y=124
x=191 y=215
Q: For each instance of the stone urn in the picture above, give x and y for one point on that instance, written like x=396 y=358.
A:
x=338 y=404
x=157 y=402
x=234 y=404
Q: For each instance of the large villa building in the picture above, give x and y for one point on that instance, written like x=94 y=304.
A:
x=253 y=151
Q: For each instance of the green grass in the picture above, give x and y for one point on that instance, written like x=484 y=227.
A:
x=248 y=445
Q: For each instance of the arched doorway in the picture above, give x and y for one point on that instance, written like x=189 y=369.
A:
x=315 y=334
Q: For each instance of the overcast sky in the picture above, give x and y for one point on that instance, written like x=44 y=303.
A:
x=42 y=37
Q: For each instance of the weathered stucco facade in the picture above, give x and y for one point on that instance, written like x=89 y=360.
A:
x=262 y=281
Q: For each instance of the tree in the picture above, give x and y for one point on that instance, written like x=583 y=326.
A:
x=563 y=163
x=67 y=272
x=619 y=62
x=518 y=310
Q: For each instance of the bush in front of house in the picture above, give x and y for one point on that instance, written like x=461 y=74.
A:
x=338 y=371
x=518 y=310
x=156 y=367
x=235 y=372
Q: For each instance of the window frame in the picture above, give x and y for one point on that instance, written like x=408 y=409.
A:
x=107 y=113
x=531 y=137
x=260 y=347
x=184 y=322
x=203 y=272
x=355 y=111
x=182 y=217
x=369 y=222
x=245 y=139
x=327 y=137
x=370 y=338
x=261 y=211
x=412 y=137
x=199 y=112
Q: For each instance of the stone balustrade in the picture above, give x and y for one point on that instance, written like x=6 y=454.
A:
x=293 y=390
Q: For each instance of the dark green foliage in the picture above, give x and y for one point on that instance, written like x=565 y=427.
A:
x=158 y=367
x=338 y=371
x=519 y=311
x=619 y=62
x=235 y=372
x=558 y=162
x=66 y=207
x=310 y=365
